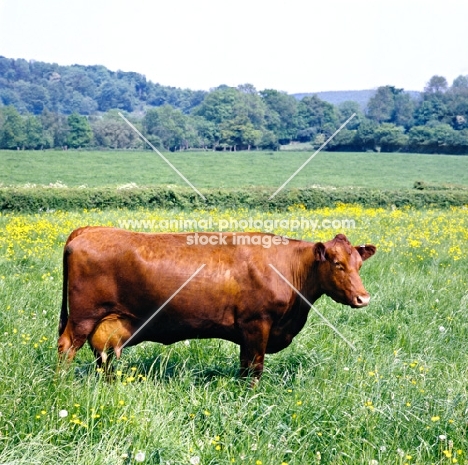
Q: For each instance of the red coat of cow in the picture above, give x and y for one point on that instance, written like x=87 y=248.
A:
x=116 y=281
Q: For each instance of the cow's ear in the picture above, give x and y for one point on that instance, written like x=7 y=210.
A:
x=320 y=252
x=366 y=251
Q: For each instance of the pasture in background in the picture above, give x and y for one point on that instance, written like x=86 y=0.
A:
x=232 y=169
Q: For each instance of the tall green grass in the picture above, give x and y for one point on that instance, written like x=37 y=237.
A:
x=401 y=397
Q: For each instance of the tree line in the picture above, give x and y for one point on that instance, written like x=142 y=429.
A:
x=46 y=106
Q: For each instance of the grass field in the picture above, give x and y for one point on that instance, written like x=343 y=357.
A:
x=400 y=398
x=231 y=169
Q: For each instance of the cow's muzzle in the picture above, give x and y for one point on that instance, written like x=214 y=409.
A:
x=360 y=301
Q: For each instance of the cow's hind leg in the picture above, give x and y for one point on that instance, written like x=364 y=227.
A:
x=72 y=339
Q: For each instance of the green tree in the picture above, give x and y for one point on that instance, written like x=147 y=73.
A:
x=55 y=129
x=346 y=109
x=226 y=103
x=438 y=138
x=461 y=142
x=365 y=135
x=170 y=126
x=280 y=114
x=113 y=132
x=35 y=97
x=390 y=138
x=391 y=105
x=57 y=97
x=12 y=135
x=316 y=116
x=381 y=106
x=207 y=132
x=403 y=110
x=34 y=136
x=457 y=102
x=437 y=84
x=115 y=94
x=21 y=68
x=435 y=106
x=431 y=108
x=269 y=141
x=237 y=113
x=251 y=105
x=80 y=133
x=460 y=83
x=345 y=140
x=9 y=97
x=219 y=105
x=240 y=133
x=78 y=79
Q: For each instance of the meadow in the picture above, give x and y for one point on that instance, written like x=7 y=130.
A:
x=231 y=169
x=399 y=398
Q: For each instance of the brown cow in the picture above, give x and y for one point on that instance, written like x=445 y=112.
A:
x=117 y=280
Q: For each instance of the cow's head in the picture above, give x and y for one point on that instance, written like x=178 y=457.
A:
x=338 y=270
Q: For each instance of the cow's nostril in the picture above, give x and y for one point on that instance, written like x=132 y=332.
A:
x=362 y=300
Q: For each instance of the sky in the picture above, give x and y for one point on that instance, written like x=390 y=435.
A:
x=293 y=46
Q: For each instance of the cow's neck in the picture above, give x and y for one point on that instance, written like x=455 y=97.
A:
x=304 y=277
x=305 y=274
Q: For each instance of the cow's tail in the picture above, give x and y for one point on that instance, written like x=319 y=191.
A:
x=66 y=253
x=64 y=310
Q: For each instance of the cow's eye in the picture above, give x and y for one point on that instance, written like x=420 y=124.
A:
x=338 y=265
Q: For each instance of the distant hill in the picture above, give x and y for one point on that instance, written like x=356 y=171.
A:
x=33 y=86
x=340 y=96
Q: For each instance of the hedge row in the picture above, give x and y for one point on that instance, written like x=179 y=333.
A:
x=42 y=199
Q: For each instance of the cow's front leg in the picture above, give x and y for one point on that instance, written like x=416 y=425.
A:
x=253 y=348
